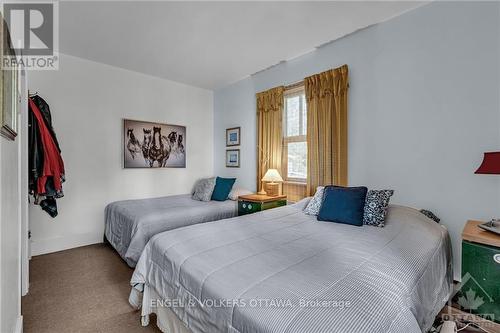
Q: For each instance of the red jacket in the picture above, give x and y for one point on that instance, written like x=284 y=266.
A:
x=53 y=165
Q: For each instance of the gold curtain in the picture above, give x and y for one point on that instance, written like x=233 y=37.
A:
x=269 y=131
x=326 y=95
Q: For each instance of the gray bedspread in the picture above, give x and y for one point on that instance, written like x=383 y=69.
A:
x=283 y=271
x=130 y=224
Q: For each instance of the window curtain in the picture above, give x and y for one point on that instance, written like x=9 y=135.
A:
x=269 y=131
x=326 y=95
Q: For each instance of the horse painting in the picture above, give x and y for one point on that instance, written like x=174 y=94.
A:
x=162 y=146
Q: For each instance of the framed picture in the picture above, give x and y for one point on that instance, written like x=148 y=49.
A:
x=233 y=136
x=153 y=145
x=9 y=91
x=233 y=158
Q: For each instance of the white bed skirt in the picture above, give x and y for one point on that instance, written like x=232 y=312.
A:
x=166 y=320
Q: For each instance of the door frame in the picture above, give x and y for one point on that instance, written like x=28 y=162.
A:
x=23 y=184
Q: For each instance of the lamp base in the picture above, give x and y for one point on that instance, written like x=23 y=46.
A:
x=273 y=189
x=262 y=191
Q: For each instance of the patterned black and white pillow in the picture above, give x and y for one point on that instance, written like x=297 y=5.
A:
x=376 y=205
x=203 y=189
x=314 y=205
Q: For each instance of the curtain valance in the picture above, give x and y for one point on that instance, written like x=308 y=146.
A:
x=270 y=100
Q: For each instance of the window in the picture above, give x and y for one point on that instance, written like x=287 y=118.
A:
x=294 y=135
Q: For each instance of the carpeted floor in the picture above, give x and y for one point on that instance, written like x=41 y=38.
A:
x=81 y=290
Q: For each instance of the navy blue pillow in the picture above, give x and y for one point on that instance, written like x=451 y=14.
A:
x=343 y=205
x=222 y=188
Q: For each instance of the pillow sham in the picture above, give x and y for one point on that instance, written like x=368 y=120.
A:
x=343 y=205
x=222 y=188
x=236 y=192
x=203 y=189
x=314 y=205
x=376 y=205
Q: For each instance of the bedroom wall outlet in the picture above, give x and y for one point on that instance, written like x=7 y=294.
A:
x=448 y=327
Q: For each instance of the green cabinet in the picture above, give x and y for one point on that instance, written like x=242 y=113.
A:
x=249 y=207
x=480 y=288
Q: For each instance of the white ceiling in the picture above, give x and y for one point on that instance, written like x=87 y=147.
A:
x=209 y=44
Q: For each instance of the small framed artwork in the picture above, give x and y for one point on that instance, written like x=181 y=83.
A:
x=232 y=158
x=233 y=136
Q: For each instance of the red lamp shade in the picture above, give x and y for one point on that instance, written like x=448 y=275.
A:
x=491 y=164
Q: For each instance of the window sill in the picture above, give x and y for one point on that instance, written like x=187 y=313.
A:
x=297 y=183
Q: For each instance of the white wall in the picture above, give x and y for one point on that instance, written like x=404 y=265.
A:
x=423 y=107
x=88 y=101
x=235 y=106
x=10 y=233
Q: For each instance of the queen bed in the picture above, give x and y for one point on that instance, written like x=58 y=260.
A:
x=130 y=224
x=283 y=271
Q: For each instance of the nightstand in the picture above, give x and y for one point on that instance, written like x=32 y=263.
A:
x=480 y=271
x=248 y=204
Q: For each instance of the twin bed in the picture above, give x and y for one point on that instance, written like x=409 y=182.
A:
x=283 y=271
x=130 y=224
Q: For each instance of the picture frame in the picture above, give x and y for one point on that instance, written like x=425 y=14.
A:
x=153 y=145
x=233 y=136
x=232 y=158
x=9 y=91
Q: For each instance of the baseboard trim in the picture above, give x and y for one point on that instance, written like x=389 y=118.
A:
x=50 y=245
x=19 y=325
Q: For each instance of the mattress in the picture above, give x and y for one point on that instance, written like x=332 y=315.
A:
x=130 y=224
x=281 y=270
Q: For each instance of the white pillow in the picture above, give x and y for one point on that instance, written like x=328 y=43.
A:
x=314 y=205
x=236 y=192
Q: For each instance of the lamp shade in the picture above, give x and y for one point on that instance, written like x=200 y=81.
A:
x=272 y=175
x=491 y=164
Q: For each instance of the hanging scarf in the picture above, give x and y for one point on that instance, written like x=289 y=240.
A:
x=53 y=165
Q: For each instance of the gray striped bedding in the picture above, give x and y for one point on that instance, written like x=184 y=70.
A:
x=129 y=224
x=283 y=271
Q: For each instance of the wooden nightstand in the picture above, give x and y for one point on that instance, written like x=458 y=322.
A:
x=248 y=204
x=481 y=269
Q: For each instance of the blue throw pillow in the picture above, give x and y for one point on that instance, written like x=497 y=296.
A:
x=222 y=188
x=343 y=205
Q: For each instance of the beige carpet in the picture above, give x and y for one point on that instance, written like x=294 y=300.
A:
x=80 y=290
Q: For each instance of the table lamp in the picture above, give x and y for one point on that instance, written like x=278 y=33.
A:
x=490 y=166
x=273 y=178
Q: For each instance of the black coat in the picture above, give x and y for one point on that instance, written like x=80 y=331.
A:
x=36 y=146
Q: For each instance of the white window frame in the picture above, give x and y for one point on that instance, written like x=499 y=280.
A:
x=302 y=137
